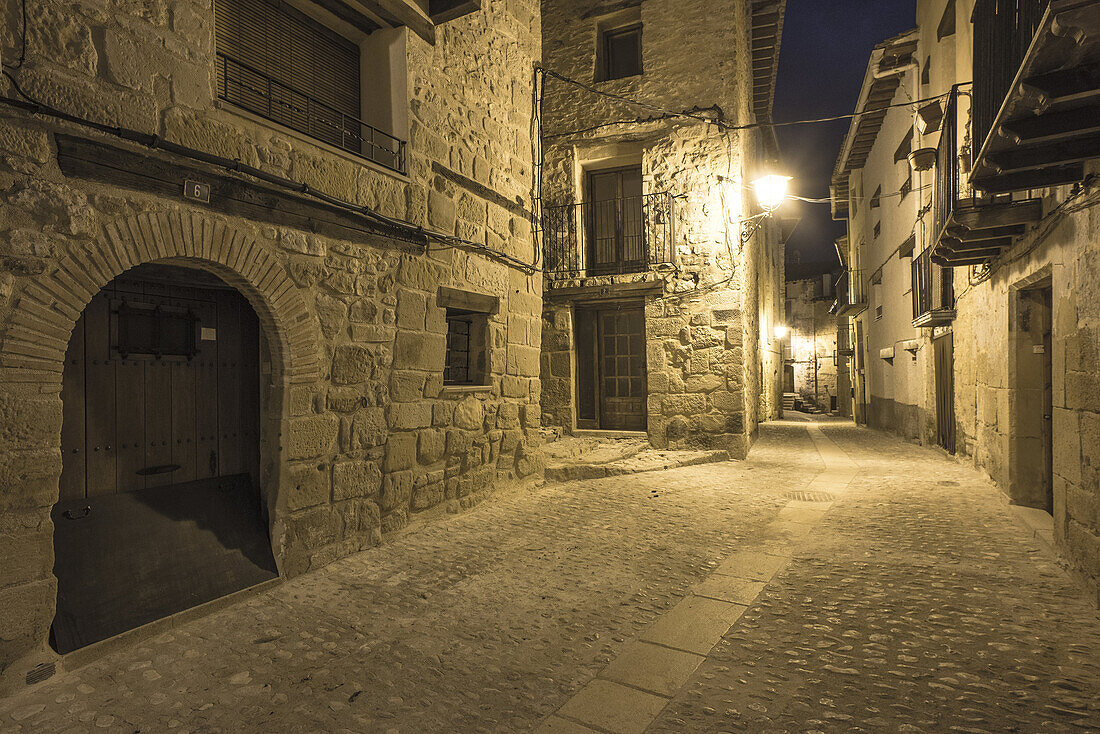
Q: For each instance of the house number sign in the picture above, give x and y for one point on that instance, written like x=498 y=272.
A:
x=197 y=191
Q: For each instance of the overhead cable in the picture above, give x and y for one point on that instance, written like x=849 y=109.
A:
x=156 y=142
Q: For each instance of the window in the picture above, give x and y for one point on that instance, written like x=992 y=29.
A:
x=947 y=22
x=467 y=360
x=878 y=229
x=906 y=188
x=279 y=63
x=876 y=198
x=157 y=331
x=615 y=220
x=926 y=72
x=905 y=147
x=621 y=52
x=878 y=312
x=466 y=354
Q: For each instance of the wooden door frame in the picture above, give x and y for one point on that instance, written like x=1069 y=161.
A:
x=945 y=424
x=596 y=307
x=1020 y=490
x=590 y=223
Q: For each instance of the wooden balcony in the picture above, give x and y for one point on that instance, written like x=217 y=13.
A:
x=1036 y=93
x=851 y=294
x=970 y=227
x=933 y=292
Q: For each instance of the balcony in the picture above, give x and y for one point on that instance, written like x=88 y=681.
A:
x=852 y=294
x=256 y=92
x=611 y=237
x=933 y=292
x=1036 y=92
x=969 y=227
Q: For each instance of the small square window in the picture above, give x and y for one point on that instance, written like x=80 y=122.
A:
x=621 y=51
x=467 y=353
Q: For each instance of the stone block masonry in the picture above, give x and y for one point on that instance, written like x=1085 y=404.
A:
x=707 y=295
x=360 y=433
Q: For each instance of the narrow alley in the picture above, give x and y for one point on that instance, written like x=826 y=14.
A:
x=837 y=580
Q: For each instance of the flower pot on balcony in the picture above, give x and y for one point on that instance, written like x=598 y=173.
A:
x=922 y=159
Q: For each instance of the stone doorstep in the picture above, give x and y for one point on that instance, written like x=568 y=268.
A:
x=125 y=640
x=643 y=461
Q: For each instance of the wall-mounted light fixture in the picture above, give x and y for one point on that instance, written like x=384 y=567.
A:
x=771 y=191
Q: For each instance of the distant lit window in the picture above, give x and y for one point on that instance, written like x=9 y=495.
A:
x=621 y=52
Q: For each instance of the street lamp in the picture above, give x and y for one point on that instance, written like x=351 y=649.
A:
x=780 y=331
x=771 y=190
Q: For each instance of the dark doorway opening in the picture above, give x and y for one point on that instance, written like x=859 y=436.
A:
x=1032 y=482
x=943 y=348
x=159 y=507
x=611 y=370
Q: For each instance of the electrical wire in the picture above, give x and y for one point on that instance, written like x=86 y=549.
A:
x=405 y=230
x=664 y=113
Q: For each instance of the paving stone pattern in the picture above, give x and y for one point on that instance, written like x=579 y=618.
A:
x=915 y=604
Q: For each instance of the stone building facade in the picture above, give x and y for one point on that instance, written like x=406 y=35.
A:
x=1001 y=287
x=357 y=426
x=660 y=299
x=812 y=334
x=886 y=194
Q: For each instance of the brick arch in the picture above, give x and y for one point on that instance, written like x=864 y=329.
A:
x=34 y=344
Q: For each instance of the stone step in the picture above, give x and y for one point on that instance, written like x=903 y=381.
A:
x=643 y=461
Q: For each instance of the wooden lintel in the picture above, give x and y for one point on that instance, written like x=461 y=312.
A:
x=408 y=14
x=442 y=11
x=467 y=300
x=165 y=175
x=349 y=15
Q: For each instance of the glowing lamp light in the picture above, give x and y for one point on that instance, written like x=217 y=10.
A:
x=780 y=331
x=771 y=190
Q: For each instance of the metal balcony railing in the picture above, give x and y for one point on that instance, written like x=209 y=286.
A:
x=851 y=298
x=945 y=186
x=615 y=236
x=933 y=292
x=1003 y=31
x=255 y=91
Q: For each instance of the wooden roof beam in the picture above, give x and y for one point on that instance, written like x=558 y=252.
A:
x=406 y=13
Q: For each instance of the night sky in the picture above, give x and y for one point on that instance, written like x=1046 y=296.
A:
x=825 y=47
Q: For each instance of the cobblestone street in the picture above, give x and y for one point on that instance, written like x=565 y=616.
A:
x=907 y=598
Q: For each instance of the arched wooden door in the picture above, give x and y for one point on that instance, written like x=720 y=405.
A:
x=159 y=508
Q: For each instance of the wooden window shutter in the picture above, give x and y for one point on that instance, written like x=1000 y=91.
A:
x=278 y=62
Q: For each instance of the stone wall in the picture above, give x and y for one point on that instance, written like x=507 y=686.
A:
x=898 y=387
x=704 y=313
x=363 y=435
x=990 y=389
